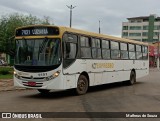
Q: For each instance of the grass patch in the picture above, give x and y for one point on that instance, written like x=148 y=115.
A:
x=8 y=76
x=6 y=72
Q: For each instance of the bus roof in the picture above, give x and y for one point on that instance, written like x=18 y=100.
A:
x=97 y=35
x=86 y=33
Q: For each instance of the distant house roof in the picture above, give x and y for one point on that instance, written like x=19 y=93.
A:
x=143 y=17
x=140 y=17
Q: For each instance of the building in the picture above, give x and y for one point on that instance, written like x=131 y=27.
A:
x=3 y=56
x=7 y=58
x=143 y=28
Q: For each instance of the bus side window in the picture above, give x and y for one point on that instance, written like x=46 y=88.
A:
x=139 y=51
x=115 y=51
x=96 y=48
x=105 y=49
x=145 y=52
x=132 y=53
x=124 y=50
x=85 y=47
x=70 y=46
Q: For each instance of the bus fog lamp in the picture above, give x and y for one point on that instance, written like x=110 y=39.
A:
x=47 y=78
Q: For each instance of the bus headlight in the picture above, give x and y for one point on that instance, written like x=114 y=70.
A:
x=15 y=72
x=16 y=75
x=56 y=74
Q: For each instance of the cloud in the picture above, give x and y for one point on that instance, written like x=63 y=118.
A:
x=87 y=14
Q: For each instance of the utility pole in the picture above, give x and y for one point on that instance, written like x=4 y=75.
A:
x=99 y=26
x=71 y=7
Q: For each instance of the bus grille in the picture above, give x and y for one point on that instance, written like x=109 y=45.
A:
x=32 y=78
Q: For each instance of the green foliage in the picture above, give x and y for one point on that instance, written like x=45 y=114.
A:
x=8 y=24
x=6 y=70
x=8 y=76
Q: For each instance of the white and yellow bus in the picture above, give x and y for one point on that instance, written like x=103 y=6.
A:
x=60 y=58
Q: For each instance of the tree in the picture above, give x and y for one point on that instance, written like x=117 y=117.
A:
x=9 y=23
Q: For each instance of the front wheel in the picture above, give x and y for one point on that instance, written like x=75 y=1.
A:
x=82 y=85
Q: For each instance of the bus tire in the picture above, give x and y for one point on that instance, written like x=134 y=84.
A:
x=82 y=85
x=132 y=78
x=43 y=91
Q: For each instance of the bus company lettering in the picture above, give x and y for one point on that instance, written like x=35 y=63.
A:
x=102 y=65
x=35 y=32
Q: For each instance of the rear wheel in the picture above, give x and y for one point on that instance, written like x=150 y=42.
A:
x=82 y=85
x=132 y=78
x=43 y=91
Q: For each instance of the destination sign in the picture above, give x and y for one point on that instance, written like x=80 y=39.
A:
x=37 y=31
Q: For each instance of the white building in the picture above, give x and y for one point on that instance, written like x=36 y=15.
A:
x=143 y=28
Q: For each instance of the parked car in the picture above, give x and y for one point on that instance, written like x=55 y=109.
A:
x=3 y=63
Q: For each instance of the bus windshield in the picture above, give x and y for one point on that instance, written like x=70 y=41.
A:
x=38 y=52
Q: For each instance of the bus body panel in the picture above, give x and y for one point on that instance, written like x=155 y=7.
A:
x=103 y=73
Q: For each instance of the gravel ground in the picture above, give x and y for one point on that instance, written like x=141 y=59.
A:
x=6 y=84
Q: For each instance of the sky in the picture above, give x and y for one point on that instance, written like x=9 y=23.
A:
x=87 y=13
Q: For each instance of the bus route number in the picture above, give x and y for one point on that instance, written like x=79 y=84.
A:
x=26 y=32
x=42 y=74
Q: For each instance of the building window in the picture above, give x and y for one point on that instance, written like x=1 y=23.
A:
x=125 y=27
x=157 y=27
x=125 y=34
x=139 y=21
x=145 y=20
x=144 y=40
x=145 y=34
x=145 y=27
x=134 y=34
x=132 y=21
x=156 y=34
x=155 y=40
x=135 y=27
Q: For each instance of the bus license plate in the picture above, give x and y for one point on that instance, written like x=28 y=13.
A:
x=31 y=83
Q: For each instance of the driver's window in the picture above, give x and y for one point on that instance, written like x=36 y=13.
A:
x=70 y=46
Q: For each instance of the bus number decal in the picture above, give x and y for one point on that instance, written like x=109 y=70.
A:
x=42 y=74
